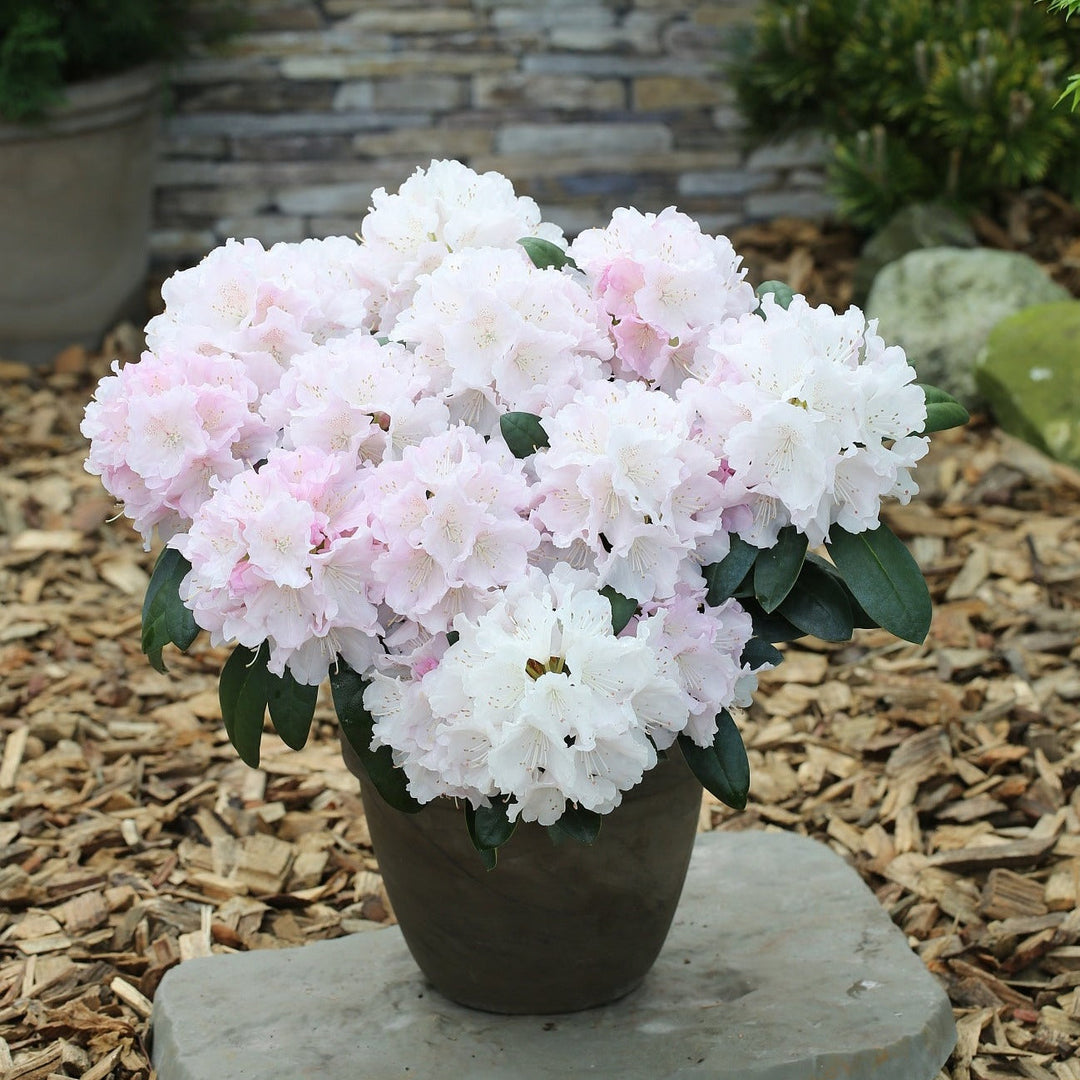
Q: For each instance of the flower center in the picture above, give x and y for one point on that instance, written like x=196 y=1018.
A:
x=555 y=664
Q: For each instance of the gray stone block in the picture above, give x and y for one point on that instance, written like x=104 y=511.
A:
x=781 y=965
x=810 y=203
x=800 y=149
x=583 y=138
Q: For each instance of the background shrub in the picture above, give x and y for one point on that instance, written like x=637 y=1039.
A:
x=46 y=44
x=923 y=99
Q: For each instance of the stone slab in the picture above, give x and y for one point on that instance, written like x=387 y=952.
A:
x=781 y=965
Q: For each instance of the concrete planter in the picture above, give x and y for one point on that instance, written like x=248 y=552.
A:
x=75 y=202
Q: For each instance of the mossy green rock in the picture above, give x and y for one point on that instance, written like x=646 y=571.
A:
x=1029 y=374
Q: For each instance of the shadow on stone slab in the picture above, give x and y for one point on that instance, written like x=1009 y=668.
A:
x=781 y=965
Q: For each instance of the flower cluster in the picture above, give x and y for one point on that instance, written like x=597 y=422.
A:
x=330 y=434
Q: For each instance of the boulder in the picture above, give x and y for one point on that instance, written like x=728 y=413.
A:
x=941 y=303
x=917 y=226
x=1029 y=374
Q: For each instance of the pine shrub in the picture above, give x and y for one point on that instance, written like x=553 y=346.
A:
x=949 y=100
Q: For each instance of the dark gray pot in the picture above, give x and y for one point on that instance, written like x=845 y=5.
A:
x=553 y=928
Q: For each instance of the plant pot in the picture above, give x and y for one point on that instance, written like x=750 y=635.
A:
x=555 y=927
x=75 y=200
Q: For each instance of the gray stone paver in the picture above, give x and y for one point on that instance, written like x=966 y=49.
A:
x=781 y=965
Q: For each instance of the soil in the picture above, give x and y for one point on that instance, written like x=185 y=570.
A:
x=132 y=838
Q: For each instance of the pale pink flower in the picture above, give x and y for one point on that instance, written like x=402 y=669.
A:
x=450 y=519
x=284 y=555
x=164 y=429
x=665 y=284
x=701 y=647
x=623 y=476
x=497 y=335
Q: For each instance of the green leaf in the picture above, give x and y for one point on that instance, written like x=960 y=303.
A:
x=777 y=568
x=523 y=433
x=769 y=626
x=818 y=605
x=164 y=617
x=859 y=617
x=722 y=768
x=579 y=824
x=544 y=253
x=757 y=652
x=782 y=293
x=623 y=609
x=243 y=690
x=489 y=828
x=493 y=825
x=885 y=579
x=489 y=856
x=942 y=411
x=724 y=577
x=292 y=705
x=356 y=725
x=1072 y=89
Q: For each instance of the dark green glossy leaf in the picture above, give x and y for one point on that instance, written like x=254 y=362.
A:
x=757 y=652
x=859 y=617
x=777 y=568
x=781 y=292
x=885 y=579
x=292 y=705
x=623 y=609
x=724 y=577
x=489 y=856
x=493 y=826
x=523 y=433
x=243 y=690
x=942 y=410
x=489 y=828
x=356 y=725
x=941 y=417
x=769 y=626
x=579 y=824
x=818 y=605
x=164 y=617
x=722 y=768
x=544 y=253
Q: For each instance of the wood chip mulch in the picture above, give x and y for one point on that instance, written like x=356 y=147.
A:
x=819 y=260
x=132 y=838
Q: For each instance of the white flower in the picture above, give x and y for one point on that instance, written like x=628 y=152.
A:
x=551 y=704
x=439 y=210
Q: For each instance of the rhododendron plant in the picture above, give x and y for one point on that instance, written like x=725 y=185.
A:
x=537 y=510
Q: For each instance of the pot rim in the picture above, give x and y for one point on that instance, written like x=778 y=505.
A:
x=92 y=104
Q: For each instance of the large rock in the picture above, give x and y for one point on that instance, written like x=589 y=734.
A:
x=1029 y=374
x=916 y=226
x=941 y=303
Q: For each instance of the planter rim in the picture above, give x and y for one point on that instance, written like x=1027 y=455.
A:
x=92 y=104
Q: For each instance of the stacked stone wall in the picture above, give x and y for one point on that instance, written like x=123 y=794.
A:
x=585 y=104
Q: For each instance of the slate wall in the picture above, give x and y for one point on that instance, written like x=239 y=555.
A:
x=585 y=104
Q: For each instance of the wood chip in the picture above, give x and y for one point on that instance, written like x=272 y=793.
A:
x=130 y=996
